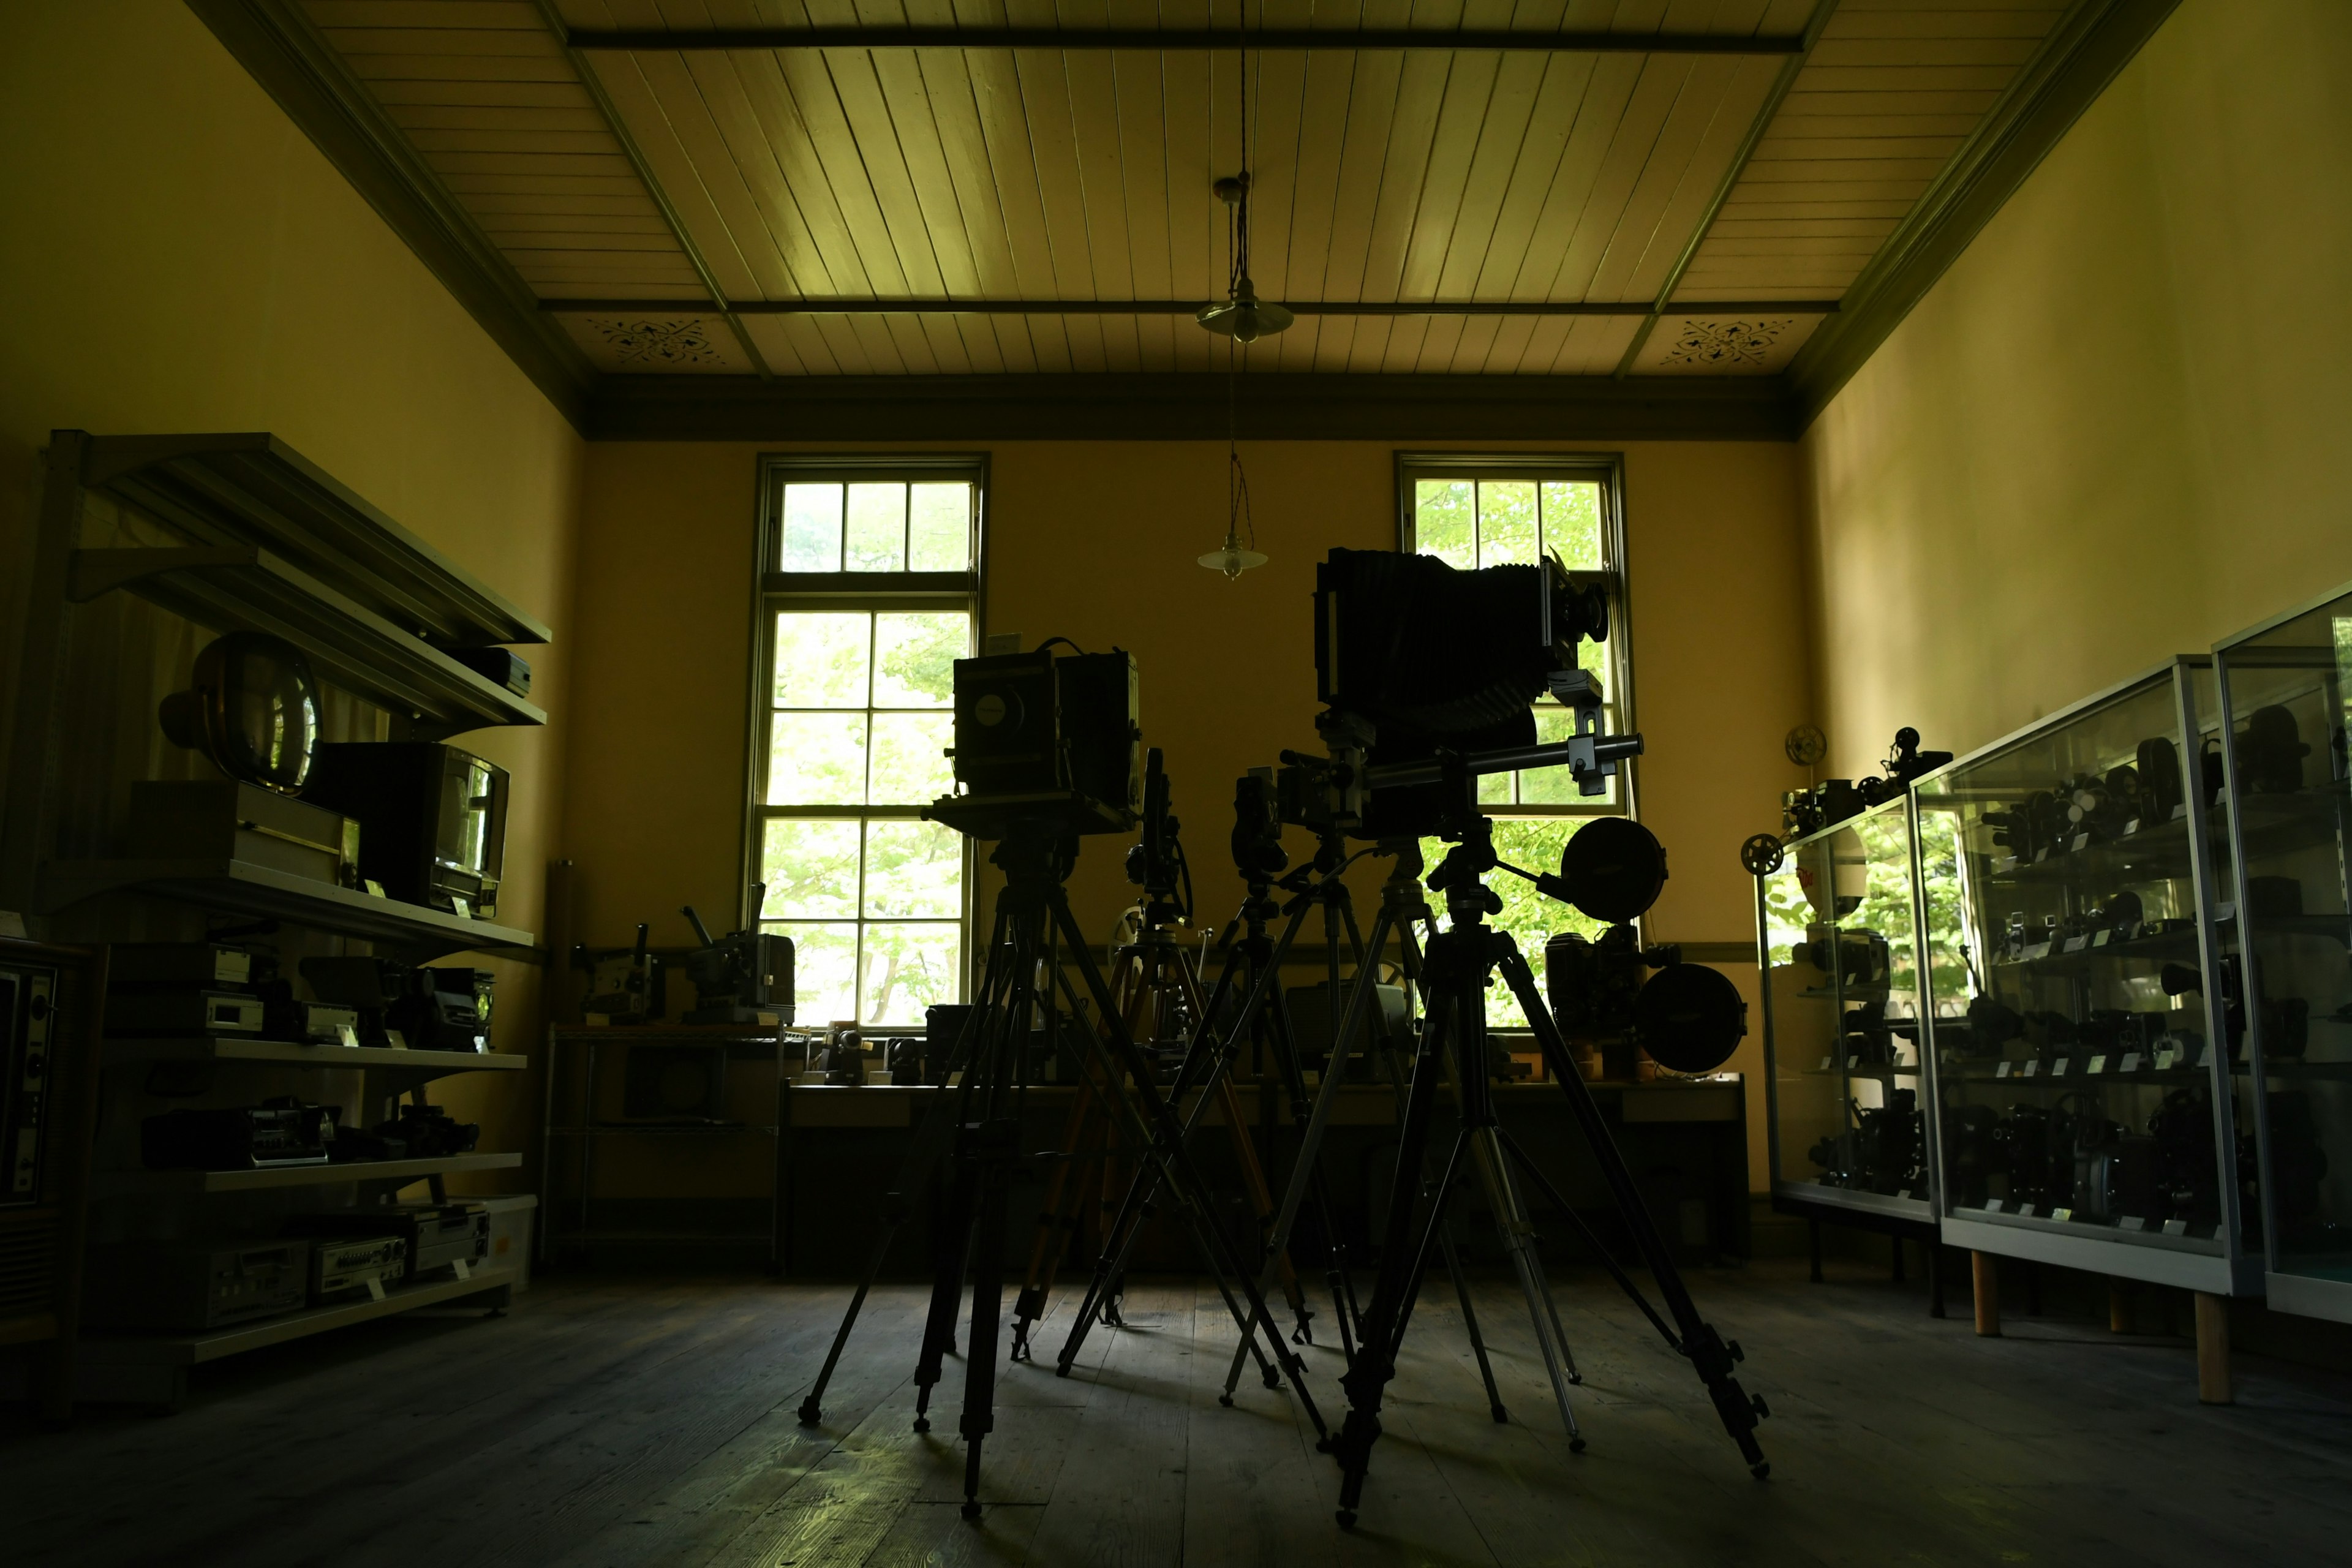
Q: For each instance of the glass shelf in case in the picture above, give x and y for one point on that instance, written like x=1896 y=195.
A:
x=1844 y=1061
x=2084 y=1115
x=2283 y=688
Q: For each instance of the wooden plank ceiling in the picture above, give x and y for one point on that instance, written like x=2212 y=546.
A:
x=634 y=188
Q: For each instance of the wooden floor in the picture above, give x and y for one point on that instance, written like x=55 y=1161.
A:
x=626 y=1421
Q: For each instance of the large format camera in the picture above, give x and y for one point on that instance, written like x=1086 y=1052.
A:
x=1042 y=737
x=1424 y=669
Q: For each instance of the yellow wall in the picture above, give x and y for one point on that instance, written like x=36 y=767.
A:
x=1095 y=541
x=177 y=257
x=2115 y=429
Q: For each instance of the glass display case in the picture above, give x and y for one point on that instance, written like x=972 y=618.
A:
x=1843 y=1060
x=2088 y=1082
x=2283 y=688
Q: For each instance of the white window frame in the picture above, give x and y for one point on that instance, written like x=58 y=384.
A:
x=1607 y=469
x=862 y=592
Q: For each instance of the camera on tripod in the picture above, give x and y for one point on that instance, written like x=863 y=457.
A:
x=1425 y=673
x=1042 y=738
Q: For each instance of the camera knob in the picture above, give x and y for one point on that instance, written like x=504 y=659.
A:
x=1737 y=1353
x=1763 y=1411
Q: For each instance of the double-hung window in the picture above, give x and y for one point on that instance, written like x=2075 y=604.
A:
x=1491 y=510
x=869 y=593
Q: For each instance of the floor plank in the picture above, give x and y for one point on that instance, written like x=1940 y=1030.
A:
x=614 y=1421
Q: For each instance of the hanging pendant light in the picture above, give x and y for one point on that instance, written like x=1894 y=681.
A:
x=1241 y=319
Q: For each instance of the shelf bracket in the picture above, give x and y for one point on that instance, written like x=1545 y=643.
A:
x=92 y=573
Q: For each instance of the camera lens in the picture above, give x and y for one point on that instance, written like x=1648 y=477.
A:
x=1690 y=1018
x=1615 y=868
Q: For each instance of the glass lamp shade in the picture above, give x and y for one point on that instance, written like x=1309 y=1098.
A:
x=1231 y=559
x=1245 y=318
x=252 y=707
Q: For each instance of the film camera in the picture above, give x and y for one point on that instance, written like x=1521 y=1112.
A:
x=1424 y=669
x=432 y=1009
x=742 y=978
x=1885 y=1149
x=1689 y=1018
x=1833 y=801
x=1038 y=735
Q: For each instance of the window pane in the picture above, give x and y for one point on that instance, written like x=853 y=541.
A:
x=810 y=869
x=812 y=541
x=1506 y=523
x=1571 y=523
x=1533 y=843
x=913 y=869
x=820 y=659
x=907 y=968
x=1442 y=522
x=877 y=529
x=1594 y=656
x=940 y=534
x=915 y=655
x=816 y=759
x=1494 y=789
x=825 y=970
x=910 y=764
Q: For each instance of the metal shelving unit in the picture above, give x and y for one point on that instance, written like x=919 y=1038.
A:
x=253 y=537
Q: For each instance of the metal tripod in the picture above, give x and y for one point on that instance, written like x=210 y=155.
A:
x=1255 y=965
x=1154 y=985
x=1460 y=962
x=976 y=1131
x=1402 y=906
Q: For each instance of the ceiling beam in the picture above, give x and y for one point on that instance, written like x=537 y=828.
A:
x=1762 y=122
x=1191 y=406
x=2081 y=54
x=279 y=48
x=1362 y=308
x=586 y=70
x=1164 y=40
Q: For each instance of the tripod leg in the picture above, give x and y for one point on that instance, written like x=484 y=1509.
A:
x=1055 y=1220
x=1470 y=1323
x=1201 y=1060
x=1163 y=1144
x=1375 y=1354
x=1305 y=1172
x=1518 y=1240
x=1593 y=1242
x=1709 y=1355
x=953 y=1259
x=1392 y=1304
x=987 y=1306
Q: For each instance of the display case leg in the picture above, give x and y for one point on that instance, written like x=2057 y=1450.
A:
x=1813 y=1240
x=2033 y=1289
x=1898 y=1260
x=2213 y=1351
x=2119 y=1311
x=1935 y=1251
x=1987 y=1275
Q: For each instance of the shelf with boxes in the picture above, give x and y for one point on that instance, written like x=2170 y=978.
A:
x=268 y=1073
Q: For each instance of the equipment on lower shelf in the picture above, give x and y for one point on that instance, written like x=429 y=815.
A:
x=278 y=1131
x=350 y=1268
x=188 y=1287
x=432 y=1237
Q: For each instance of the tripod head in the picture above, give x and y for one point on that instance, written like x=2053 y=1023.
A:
x=1156 y=863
